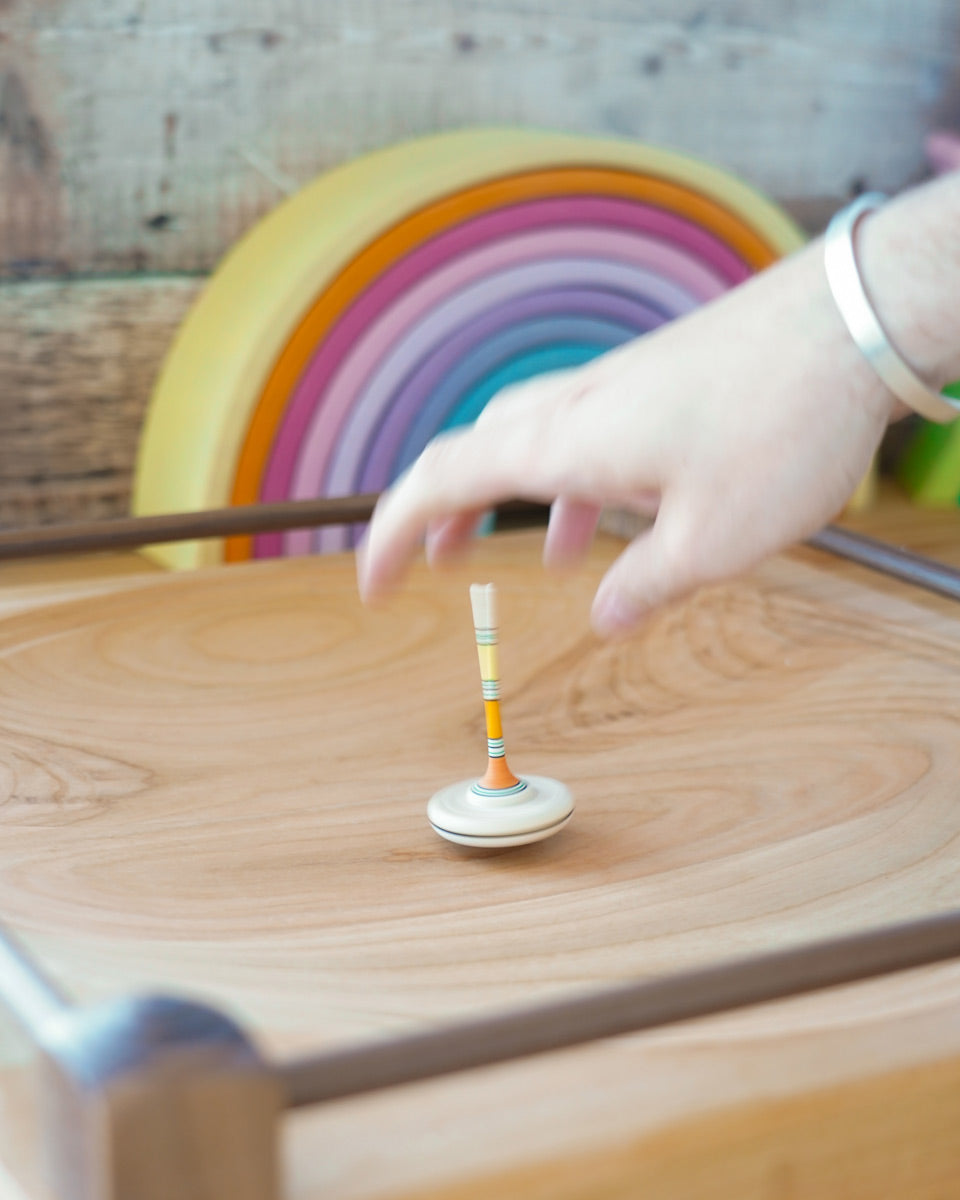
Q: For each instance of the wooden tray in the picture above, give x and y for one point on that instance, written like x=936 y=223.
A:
x=214 y=786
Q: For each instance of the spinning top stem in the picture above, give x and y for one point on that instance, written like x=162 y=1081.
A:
x=498 y=776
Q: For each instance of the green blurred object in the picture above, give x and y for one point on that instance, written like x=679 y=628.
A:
x=930 y=467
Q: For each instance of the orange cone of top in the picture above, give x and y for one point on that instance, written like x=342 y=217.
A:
x=498 y=774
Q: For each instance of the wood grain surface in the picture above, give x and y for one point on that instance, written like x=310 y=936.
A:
x=215 y=784
x=934 y=532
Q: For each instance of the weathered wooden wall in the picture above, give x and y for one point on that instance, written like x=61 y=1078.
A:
x=142 y=136
x=77 y=363
x=148 y=134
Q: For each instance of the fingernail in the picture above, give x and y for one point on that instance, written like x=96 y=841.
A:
x=363 y=573
x=612 y=615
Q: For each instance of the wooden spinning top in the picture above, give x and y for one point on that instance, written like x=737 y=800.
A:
x=500 y=809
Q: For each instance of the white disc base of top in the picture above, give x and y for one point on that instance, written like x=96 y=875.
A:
x=539 y=811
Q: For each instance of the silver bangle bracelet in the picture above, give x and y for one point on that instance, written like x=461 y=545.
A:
x=843 y=276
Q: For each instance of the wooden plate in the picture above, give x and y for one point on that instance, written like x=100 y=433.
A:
x=215 y=785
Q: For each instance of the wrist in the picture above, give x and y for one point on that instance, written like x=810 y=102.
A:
x=909 y=258
x=856 y=382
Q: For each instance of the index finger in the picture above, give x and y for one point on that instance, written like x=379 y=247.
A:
x=459 y=472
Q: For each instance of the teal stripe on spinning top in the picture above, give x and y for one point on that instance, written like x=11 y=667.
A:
x=479 y=790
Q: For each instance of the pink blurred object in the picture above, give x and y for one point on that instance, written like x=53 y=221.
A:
x=943 y=150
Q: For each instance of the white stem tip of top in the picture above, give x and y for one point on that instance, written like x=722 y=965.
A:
x=483 y=599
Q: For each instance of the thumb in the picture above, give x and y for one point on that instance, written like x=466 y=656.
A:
x=654 y=569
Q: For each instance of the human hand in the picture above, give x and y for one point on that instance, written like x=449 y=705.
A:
x=744 y=427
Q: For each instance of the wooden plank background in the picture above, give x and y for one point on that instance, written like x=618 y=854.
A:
x=144 y=136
